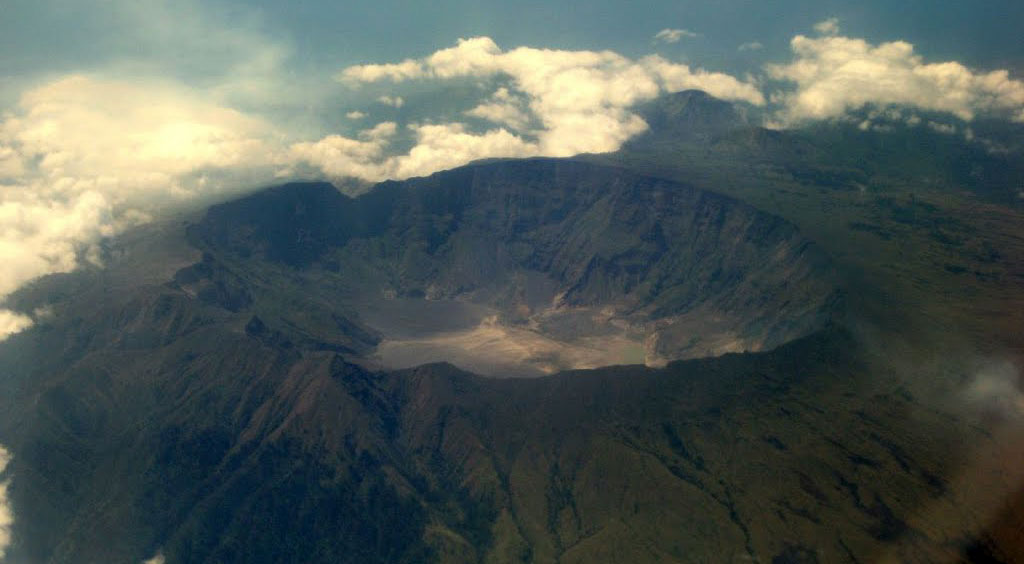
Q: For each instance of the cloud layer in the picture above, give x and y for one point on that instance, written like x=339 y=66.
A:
x=437 y=147
x=83 y=157
x=151 y=119
x=545 y=102
x=832 y=75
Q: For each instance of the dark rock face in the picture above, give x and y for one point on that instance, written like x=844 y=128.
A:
x=691 y=115
x=552 y=244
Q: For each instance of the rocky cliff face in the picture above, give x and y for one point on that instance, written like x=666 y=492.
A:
x=556 y=247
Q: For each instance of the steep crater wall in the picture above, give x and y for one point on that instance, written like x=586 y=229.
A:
x=532 y=266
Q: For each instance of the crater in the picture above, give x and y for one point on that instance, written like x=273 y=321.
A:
x=529 y=267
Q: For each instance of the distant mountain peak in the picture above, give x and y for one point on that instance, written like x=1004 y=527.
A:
x=690 y=115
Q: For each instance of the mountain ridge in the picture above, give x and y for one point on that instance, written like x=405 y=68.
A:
x=212 y=402
x=543 y=242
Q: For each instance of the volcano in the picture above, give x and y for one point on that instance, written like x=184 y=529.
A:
x=722 y=343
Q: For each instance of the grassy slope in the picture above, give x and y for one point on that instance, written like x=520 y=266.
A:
x=935 y=275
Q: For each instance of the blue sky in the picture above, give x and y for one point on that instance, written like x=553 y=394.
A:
x=198 y=43
x=61 y=34
x=114 y=111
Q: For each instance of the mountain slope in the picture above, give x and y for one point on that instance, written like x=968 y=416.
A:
x=213 y=394
x=220 y=446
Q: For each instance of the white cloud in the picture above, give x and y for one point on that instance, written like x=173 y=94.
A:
x=449 y=145
x=556 y=103
x=380 y=132
x=834 y=74
x=341 y=157
x=133 y=133
x=396 y=72
x=87 y=154
x=751 y=46
x=157 y=559
x=6 y=514
x=84 y=157
x=438 y=146
x=673 y=35
x=674 y=76
x=355 y=114
x=827 y=27
x=393 y=101
x=503 y=108
x=13 y=322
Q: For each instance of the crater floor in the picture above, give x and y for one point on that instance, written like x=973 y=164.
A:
x=418 y=331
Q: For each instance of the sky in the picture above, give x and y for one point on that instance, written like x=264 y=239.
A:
x=115 y=111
